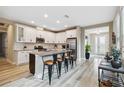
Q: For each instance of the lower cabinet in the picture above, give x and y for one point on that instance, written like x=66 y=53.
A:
x=23 y=57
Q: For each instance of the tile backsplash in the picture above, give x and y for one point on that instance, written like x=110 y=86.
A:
x=20 y=46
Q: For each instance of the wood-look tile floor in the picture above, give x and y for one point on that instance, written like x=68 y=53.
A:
x=83 y=75
x=9 y=72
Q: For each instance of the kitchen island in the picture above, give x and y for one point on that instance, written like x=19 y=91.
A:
x=36 y=60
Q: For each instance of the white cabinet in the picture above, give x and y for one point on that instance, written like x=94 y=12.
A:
x=20 y=32
x=71 y=33
x=40 y=34
x=57 y=38
x=25 y=34
x=52 y=38
x=30 y=35
x=61 y=37
x=20 y=58
x=23 y=57
x=49 y=37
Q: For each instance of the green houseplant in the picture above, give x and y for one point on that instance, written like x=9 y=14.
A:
x=87 y=51
x=115 y=53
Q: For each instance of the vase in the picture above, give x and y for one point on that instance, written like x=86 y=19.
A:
x=116 y=64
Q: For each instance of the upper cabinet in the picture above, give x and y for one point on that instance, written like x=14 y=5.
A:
x=61 y=37
x=40 y=34
x=71 y=33
x=28 y=35
x=25 y=34
x=20 y=32
x=49 y=37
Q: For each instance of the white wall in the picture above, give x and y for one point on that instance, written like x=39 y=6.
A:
x=79 y=44
x=116 y=29
x=122 y=31
x=10 y=43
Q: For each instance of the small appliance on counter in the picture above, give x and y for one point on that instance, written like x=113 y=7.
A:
x=63 y=46
x=39 y=48
x=25 y=47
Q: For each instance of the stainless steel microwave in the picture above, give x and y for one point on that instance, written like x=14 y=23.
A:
x=40 y=40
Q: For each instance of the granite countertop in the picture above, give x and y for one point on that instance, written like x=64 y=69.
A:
x=47 y=53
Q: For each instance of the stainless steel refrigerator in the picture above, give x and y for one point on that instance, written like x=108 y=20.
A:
x=72 y=45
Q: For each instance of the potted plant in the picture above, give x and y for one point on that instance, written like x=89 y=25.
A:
x=87 y=51
x=115 y=53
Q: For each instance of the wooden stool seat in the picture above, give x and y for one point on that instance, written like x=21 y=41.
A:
x=59 y=59
x=48 y=62
x=67 y=57
x=50 y=66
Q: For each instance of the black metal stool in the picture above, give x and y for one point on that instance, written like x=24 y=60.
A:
x=67 y=59
x=73 y=58
x=60 y=60
x=49 y=64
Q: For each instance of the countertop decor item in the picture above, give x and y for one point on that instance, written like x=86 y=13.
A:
x=116 y=62
x=108 y=57
x=115 y=53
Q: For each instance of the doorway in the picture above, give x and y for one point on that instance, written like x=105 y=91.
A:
x=101 y=46
x=3 y=46
x=98 y=39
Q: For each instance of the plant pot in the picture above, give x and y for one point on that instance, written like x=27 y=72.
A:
x=116 y=64
x=87 y=55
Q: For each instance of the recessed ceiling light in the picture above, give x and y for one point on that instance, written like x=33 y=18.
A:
x=44 y=26
x=65 y=26
x=58 y=21
x=32 y=22
x=45 y=15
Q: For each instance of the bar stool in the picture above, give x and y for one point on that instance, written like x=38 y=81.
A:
x=56 y=63
x=72 y=58
x=60 y=59
x=67 y=59
x=49 y=64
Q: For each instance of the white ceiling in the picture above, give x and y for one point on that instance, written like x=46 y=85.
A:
x=78 y=15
